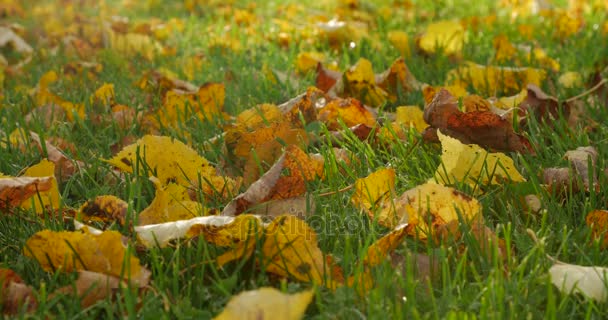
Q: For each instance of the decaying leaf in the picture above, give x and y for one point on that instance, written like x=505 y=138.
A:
x=484 y=128
x=597 y=220
x=486 y=241
x=106 y=208
x=91 y=287
x=350 y=111
x=588 y=281
x=581 y=178
x=8 y=36
x=268 y=304
x=14 y=294
x=172 y=161
x=379 y=250
x=541 y=106
x=15 y=190
x=473 y=165
x=68 y=251
x=426 y=208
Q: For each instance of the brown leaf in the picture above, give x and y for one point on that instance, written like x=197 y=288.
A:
x=483 y=128
x=91 y=287
x=485 y=239
x=559 y=179
x=597 y=220
x=326 y=78
x=541 y=106
x=15 y=294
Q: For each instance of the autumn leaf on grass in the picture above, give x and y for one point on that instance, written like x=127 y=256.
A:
x=350 y=111
x=106 y=208
x=16 y=190
x=442 y=36
x=588 y=281
x=45 y=199
x=541 y=106
x=273 y=186
x=15 y=294
x=171 y=203
x=597 y=220
x=371 y=89
x=379 y=250
x=161 y=234
x=473 y=165
x=131 y=44
x=43 y=95
x=484 y=128
x=373 y=190
x=582 y=178
x=8 y=38
x=290 y=249
x=492 y=80
x=68 y=251
x=172 y=161
x=426 y=208
x=485 y=242
x=91 y=287
x=268 y=304
x=507 y=51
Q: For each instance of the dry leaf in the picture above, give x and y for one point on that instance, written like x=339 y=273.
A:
x=268 y=304
x=44 y=200
x=91 y=287
x=172 y=161
x=484 y=128
x=67 y=251
x=373 y=190
x=559 y=179
x=14 y=294
x=106 y=208
x=473 y=165
x=588 y=281
x=442 y=36
x=597 y=220
x=171 y=203
x=14 y=191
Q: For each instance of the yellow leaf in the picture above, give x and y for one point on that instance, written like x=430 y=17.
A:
x=473 y=164
x=374 y=188
x=268 y=304
x=133 y=43
x=570 y=79
x=291 y=250
x=171 y=203
x=410 y=116
x=360 y=83
x=243 y=228
x=307 y=61
x=68 y=251
x=377 y=252
x=429 y=206
x=44 y=199
x=257 y=117
x=447 y=36
x=491 y=80
x=172 y=161
x=106 y=208
x=350 y=111
x=400 y=40
x=104 y=94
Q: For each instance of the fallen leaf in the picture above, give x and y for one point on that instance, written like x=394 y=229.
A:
x=379 y=250
x=597 y=220
x=427 y=207
x=92 y=287
x=106 y=208
x=588 y=281
x=473 y=165
x=447 y=37
x=16 y=190
x=290 y=249
x=348 y=111
x=8 y=36
x=400 y=40
x=484 y=128
x=542 y=107
x=170 y=203
x=492 y=80
x=559 y=179
x=68 y=251
x=373 y=190
x=172 y=161
x=267 y=303
x=44 y=200
x=15 y=294
x=486 y=241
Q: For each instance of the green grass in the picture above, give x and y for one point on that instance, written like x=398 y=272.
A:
x=467 y=286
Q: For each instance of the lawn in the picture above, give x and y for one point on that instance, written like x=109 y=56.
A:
x=509 y=88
